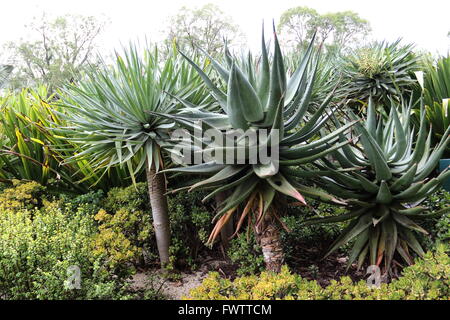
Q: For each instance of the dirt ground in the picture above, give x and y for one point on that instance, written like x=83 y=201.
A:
x=171 y=290
x=184 y=281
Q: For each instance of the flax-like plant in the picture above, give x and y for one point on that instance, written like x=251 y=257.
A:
x=30 y=145
x=260 y=96
x=384 y=177
x=110 y=113
x=436 y=96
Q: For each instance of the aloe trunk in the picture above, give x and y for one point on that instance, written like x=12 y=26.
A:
x=158 y=202
x=269 y=239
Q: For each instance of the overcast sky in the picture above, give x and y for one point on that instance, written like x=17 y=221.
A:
x=425 y=23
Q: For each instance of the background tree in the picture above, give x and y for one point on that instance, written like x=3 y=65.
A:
x=335 y=30
x=205 y=27
x=57 y=53
x=297 y=25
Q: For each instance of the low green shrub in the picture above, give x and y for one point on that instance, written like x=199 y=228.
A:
x=91 y=201
x=133 y=197
x=246 y=254
x=38 y=246
x=439 y=226
x=21 y=195
x=126 y=217
x=190 y=223
x=428 y=279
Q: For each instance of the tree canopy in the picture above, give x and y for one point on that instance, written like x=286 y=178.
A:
x=59 y=50
x=205 y=27
x=336 y=29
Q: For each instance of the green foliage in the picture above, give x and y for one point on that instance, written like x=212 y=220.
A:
x=337 y=30
x=246 y=253
x=91 y=201
x=190 y=223
x=436 y=94
x=315 y=235
x=443 y=228
x=428 y=279
x=205 y=27
x=134 y=197
x=33 y=148
x=21 y=196
x=438 y=226
x=38 y=246
x=126 y=219
x=437 y=81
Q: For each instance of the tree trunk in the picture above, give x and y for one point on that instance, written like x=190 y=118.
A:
x=269 y=239
x=158 y=202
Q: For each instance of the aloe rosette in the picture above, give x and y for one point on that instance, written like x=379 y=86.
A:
x=109 y=114
x=384 y=177
x=261 y=96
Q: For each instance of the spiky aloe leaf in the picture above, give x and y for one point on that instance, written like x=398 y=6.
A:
x=258 y=96
x=394 y=164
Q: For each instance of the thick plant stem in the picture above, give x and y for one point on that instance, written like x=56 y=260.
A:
x=158 y=202
x=270 y=242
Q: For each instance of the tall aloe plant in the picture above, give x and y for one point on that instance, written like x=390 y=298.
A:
x=384 y=178
x=261 y=96
x=110 y=113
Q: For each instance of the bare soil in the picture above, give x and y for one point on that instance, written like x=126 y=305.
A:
x=179 y=285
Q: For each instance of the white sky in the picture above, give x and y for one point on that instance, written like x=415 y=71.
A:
x=425 y=23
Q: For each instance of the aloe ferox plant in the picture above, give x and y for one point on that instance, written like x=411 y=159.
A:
x=384 y=177
x=261 y=95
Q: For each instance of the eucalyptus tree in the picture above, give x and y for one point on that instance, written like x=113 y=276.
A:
x=337 y=30
x=59 y=50
x=204 y=27
x=111 y=116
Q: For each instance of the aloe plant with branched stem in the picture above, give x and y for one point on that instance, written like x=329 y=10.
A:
x=260 y=96
x=110 y=114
